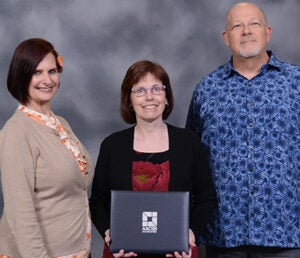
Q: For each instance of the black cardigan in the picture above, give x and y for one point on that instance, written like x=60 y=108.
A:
x=188 y=172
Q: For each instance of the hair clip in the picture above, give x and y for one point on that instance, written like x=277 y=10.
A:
x=60 y=60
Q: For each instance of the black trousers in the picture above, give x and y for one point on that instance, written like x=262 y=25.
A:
x=252 y=252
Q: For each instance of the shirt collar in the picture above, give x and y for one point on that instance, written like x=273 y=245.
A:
x=273 y=63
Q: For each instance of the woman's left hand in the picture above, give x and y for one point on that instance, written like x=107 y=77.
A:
x=191 y=246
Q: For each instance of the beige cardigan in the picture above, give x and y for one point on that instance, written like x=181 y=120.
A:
x=45 y=195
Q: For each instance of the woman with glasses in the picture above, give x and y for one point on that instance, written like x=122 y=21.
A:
x=152 y=155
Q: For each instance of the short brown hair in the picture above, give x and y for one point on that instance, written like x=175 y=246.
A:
x=133 y=75
x=28 y=54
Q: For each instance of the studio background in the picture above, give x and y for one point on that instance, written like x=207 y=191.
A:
x=100 y=39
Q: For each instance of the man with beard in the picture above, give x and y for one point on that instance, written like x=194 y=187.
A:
x=247 y=113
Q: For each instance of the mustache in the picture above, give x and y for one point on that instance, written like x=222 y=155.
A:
x=247 y=39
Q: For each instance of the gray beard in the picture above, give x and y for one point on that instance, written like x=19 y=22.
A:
x=248 y=54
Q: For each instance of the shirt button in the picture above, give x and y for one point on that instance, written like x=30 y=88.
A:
x=250 y=125
x=250 y=146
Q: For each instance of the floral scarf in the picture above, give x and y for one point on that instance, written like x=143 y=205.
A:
x=65 y=138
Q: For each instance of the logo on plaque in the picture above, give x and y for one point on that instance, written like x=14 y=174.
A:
x=149 y=222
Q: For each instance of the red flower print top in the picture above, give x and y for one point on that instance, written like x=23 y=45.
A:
x=151 y=172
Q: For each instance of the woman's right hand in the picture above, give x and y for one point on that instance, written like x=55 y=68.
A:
x=191 y=246
x=121 y=253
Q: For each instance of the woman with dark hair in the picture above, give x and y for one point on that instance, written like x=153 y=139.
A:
x=45 y=169
x=151 y=155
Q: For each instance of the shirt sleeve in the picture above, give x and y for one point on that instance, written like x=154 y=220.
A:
x=193 y=120
x=100 y=194
x=18 y=179
x=204 y=200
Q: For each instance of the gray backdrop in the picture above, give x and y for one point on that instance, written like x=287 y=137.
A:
x=100 y=39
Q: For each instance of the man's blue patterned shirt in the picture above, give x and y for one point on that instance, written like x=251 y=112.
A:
x=251 y=130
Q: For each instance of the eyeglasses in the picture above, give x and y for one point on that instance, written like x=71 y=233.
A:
x=155 y=90
x=253 y=26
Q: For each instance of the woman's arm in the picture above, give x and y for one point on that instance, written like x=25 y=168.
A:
x=100 y=194
x=17 y=160
x=203 y=195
